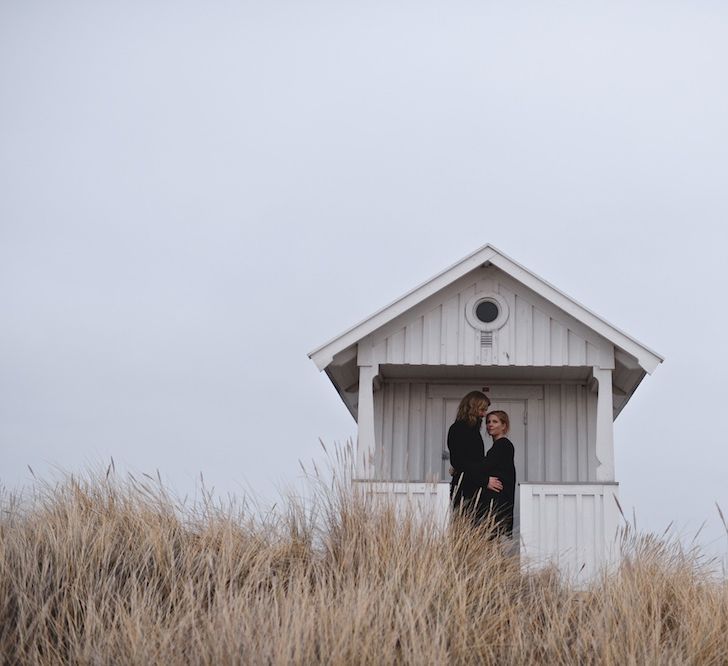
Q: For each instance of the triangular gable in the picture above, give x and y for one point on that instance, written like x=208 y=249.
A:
x=531 y=330
x=645 y=357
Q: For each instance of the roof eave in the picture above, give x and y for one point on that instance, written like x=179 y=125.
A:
x=648 y=359
x=323 y=355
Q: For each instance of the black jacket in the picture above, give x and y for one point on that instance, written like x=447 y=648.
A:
x=467 y=456
x=499 y=462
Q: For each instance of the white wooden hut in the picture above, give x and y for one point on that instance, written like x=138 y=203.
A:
x=561 y=372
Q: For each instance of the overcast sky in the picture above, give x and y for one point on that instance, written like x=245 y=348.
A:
x=195 y=195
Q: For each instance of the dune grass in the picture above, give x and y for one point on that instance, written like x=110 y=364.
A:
x=107 y=571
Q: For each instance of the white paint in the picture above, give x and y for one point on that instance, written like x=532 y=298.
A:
x=573 y=526
x=480 y=297
x=366 y=440
x=530 y=331
x=604 y=425
x=549 y=362
x=324 y=355
x=552 y=427
x=430 y=501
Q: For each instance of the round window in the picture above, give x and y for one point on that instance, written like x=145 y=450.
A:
x=487 y=311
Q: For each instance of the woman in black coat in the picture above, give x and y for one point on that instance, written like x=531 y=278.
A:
x=471 y=478
x=499 y=463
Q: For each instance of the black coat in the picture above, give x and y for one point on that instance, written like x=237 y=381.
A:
x=499 y=463
x=467 y=456
x=473 y=467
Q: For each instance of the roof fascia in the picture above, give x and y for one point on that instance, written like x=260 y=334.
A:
x=324 y=355
x=348 y=400
x=647 y=358
x=628 y=395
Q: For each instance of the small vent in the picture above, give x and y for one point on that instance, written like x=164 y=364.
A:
x=486 y=338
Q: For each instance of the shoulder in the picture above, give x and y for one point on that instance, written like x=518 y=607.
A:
x=461 y=431
x=506 y=443
x=459 y=426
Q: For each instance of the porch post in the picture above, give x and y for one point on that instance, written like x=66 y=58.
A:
x=365 y=440
x=605 y=425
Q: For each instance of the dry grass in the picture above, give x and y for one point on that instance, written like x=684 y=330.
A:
x=101 y=571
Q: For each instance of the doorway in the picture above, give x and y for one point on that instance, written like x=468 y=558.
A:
x=517 y=414
x=444 y=400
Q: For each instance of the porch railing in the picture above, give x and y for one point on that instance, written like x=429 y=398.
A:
x=570 y=525
x=419 y=499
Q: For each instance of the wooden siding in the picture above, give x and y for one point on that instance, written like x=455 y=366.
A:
x=572 y=526
x=558 y=435
x=536 y=333
x=429 y=501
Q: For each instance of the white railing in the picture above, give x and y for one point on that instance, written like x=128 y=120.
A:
x=571 y=525
x=419 y=499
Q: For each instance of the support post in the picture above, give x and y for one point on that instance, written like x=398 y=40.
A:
x=605 y=425
x=366 y=441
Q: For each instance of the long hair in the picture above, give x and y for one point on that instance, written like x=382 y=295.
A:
x=503 y=418
x=469 y=407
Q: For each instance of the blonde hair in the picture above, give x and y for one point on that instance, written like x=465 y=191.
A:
x=470 y=405
x=503 y=418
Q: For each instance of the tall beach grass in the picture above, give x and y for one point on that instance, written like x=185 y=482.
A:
x=103 y=570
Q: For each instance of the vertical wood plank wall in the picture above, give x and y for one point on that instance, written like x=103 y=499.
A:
x=573 y=526
x=536 y=333
x=410 y=429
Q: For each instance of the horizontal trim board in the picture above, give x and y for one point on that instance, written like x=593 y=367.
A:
x=506 y=391
x=485 y=381
x=569 y=483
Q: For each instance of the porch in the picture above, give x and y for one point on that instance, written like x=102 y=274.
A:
x=570 y=525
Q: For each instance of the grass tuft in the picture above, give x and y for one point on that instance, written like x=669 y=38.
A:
x=97 y=570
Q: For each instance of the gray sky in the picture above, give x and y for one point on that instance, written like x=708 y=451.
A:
x=195 y=195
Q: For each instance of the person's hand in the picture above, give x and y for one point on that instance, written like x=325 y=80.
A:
x=495 y=484
x=451 y=469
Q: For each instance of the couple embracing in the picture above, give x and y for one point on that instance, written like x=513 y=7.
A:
x=483 y=484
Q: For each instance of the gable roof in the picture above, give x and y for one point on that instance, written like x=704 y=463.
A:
x=647 y=359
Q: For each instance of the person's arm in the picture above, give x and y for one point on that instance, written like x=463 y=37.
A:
x=495 y=484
